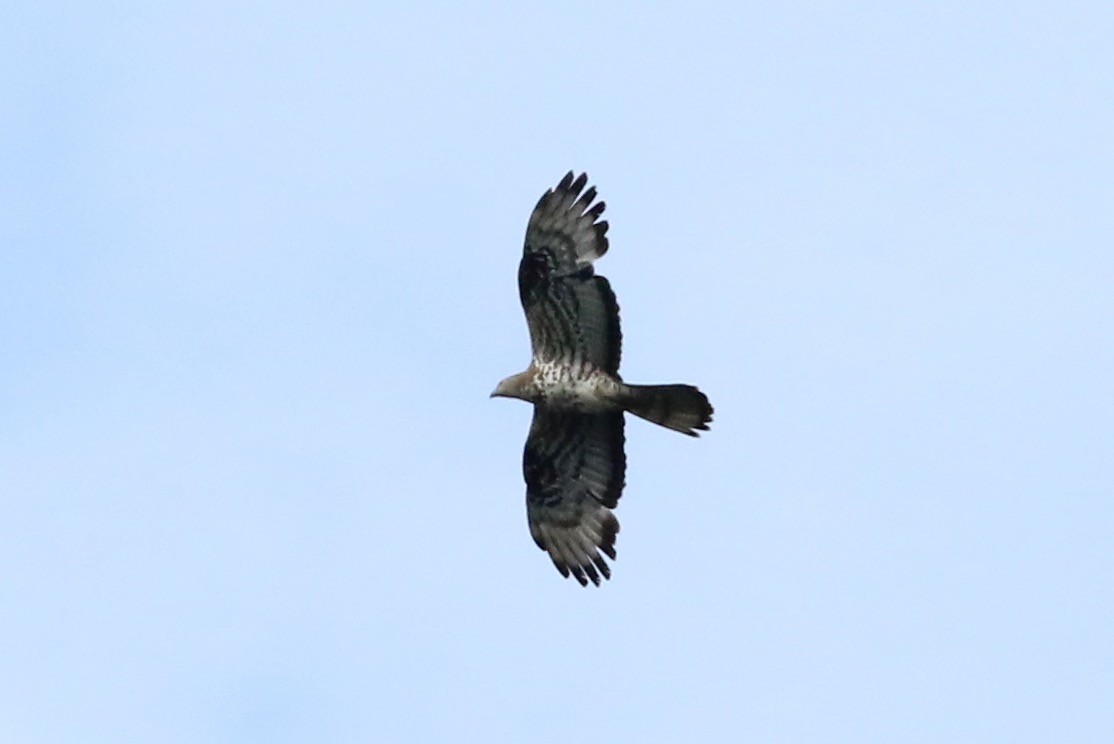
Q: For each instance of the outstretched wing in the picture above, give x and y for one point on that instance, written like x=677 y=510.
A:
x=572 y=314
x=574 y=466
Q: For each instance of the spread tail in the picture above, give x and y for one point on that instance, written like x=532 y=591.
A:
x=682 y=408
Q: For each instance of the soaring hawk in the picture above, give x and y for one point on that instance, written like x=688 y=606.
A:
x=574 y=462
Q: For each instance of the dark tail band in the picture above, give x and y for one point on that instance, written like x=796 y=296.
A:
x=682 y=408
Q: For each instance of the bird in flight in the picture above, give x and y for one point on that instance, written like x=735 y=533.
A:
x=574 y=463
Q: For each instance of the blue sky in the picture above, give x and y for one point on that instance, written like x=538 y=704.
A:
x=257 y=279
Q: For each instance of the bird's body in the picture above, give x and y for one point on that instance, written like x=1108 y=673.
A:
x=581 y=388
x=574 y=463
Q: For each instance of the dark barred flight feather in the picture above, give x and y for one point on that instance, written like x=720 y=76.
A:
x=574 y=467
x=574 y=462
x=572 y=314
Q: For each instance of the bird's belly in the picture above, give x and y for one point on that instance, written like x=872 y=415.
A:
x=593 y=392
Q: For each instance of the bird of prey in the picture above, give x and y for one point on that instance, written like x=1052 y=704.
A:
x=574 y=462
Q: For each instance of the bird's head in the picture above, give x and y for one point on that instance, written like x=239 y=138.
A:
x=511 y=387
